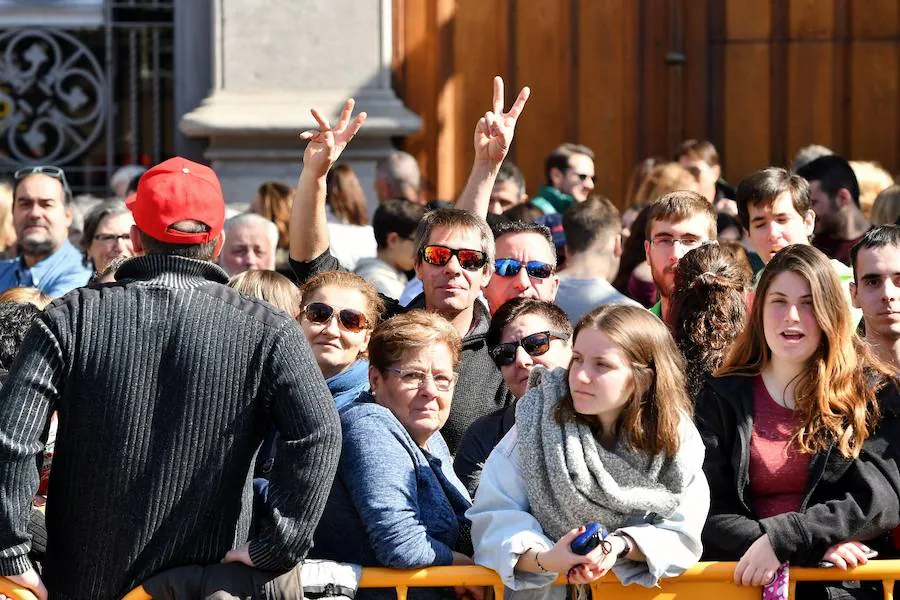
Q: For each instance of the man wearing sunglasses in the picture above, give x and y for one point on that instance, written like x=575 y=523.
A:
x=165 y=383
x=676 y=224
x=42 y=217
x=525 y=266
x=569 y=170
x=454 y=249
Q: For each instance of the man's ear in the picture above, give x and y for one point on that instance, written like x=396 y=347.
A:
x=392 y=239
x=136 y=245
x=853 y=295
x=617 y=248
x=220 y=241
x=844 y=198
x=556 y=176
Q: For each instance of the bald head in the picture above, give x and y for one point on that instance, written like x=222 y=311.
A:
x=398 y=176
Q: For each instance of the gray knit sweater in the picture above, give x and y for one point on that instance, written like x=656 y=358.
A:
x=165 y=384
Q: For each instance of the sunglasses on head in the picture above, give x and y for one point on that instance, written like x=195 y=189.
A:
x=321 y=313
x=508 y=267
x=534 y=344
x=470 y=260
x=48 y=170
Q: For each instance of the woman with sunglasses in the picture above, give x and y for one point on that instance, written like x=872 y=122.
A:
x=395 y=501
x=524 y=333
x=610 y=440
x=787 y=422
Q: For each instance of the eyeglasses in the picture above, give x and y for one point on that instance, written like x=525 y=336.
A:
x=581 y=176
x=321 y=313
x=109 y=238
x=48 y=170
x=413 y=379
x=470 y=260
x=535 y=344
x=508 y=267
x=668 y=243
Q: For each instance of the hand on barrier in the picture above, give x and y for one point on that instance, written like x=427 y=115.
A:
x=467 y=592
x=494 y=131
x=241 y=554
x=327 y=143
x=26 y=586
x=602 y=558
x=848 y=555
x=758 y=565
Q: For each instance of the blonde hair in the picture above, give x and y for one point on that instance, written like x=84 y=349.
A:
x=374 y=304
x=873 y=179
x=274 y=288
x=663 y=179
x=650 y=418
x=7 y=231
x=24 y=295
x=411 y=331
x=886 y=209
x=834 y=398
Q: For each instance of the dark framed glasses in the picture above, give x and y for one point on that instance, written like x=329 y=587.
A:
x=321 y=313
x=534 y=344
x=470 y=260
x=508 y=267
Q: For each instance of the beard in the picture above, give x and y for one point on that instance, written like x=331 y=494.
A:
x=37 y=247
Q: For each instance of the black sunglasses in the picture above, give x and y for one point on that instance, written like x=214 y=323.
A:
x=581 y=176
x=321 y=313
x=48 y=170
x=470 y=260
x=534 y=344
x=508 y=267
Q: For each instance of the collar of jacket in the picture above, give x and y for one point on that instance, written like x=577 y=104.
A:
x=481 y=320
x=171 y=271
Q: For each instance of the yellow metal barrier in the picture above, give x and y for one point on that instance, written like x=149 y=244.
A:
x=704 y=580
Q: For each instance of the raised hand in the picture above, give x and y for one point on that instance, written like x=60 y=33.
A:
x=494 y=131
x=327 y=143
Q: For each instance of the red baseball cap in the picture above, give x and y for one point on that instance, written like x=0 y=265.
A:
x=178 y=190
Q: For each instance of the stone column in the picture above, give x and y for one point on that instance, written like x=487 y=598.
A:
x=272 y=62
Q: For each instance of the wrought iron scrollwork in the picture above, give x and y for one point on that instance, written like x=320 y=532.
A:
x=52 y=97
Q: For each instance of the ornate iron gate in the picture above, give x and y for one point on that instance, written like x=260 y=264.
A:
x=87 y=97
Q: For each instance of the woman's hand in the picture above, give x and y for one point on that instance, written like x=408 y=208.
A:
x=31 y=581
x=241 y=554
x=598 y=563
x=847 y=555
x=758 y=564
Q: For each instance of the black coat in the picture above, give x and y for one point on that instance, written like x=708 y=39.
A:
x=855 y=499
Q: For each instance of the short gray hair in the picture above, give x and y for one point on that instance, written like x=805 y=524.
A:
x=254 y=219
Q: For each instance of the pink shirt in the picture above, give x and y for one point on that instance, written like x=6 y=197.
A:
x=778 y=472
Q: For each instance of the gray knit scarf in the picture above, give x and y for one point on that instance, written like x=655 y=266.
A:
x=572 y=480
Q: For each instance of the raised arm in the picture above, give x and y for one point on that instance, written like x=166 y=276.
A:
x=308 y=226
x=493 y=138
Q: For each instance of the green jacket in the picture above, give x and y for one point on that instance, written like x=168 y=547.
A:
x=550 y=200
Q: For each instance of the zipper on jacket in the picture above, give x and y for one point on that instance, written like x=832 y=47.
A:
x=817 y=471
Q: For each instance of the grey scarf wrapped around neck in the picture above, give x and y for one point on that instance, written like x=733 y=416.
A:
x=572 y=480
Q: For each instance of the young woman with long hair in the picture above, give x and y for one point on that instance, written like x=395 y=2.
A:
x=785 y=422
x=608 y=440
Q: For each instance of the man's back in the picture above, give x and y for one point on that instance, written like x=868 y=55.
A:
x=165 y=385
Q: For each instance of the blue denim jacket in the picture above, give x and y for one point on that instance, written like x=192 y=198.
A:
x=393 y=504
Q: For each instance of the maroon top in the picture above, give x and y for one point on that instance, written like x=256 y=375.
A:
x=835 y=248
x=778 y=471
x=641 y=291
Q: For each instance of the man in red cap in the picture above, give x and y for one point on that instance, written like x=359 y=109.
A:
x=165 y=383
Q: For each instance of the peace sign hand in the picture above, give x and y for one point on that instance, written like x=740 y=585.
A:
x=494 y=131
x=326 y=143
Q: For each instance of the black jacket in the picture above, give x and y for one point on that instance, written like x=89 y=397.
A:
x=480 y=388
x=844 y=499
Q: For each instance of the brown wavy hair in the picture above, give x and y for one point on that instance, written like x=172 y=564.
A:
x=649 y=421
x=345 y=195
x=834 y=396
x=275 y=200
x=709 y=308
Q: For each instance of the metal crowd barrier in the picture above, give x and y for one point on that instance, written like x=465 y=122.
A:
x=704 y=580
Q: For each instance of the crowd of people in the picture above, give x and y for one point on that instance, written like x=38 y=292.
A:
x=195 y=402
